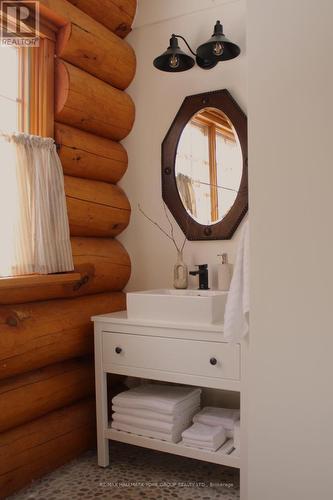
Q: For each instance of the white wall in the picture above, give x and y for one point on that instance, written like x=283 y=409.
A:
x=290 y=111
x=157 y=97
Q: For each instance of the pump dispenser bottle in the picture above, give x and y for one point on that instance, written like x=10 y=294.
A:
x=224 y=273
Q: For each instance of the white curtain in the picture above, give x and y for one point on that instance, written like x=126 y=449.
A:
x=34 y=230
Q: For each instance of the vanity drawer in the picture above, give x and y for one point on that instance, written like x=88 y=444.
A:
x=192 y=357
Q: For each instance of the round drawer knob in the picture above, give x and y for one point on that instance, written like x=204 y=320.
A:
x=213 y=361
x=118 y=350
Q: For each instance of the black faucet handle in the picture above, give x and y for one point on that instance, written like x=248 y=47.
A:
x=202 y=272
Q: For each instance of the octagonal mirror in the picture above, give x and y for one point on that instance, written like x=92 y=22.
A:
x=204 y=166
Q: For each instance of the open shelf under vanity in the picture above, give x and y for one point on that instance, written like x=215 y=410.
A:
x=169 y=353
x=222 y=456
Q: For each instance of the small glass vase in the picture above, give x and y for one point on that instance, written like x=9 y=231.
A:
x=180 y=273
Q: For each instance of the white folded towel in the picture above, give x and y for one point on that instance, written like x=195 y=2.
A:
x=237 y=309
x=211 y=415
x=177 y=425
x=173 y=437
x=207 y=436
x=154 y=415
x=167 y=399
x=204 y=433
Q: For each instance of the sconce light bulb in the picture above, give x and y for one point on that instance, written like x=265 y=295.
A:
x=218 y=48
x=174 y=61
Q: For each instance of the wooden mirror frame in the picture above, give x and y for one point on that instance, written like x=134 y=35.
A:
x=224 y=229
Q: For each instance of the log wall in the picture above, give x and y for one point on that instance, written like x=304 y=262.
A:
x=46 y=335
x=37 y=447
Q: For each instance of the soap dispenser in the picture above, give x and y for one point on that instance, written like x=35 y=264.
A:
x=224 y=273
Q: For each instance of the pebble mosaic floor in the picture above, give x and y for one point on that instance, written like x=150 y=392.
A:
x=134 y=474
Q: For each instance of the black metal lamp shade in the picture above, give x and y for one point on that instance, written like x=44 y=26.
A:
x=174 y=59
x=218 y=48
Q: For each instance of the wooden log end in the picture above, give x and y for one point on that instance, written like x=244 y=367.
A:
x=62 y=86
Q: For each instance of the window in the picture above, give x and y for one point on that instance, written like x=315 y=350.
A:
x=34 y=233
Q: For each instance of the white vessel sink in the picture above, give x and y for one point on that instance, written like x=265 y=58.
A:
x=177 y=306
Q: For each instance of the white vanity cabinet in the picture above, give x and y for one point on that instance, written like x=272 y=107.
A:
x=179 y=353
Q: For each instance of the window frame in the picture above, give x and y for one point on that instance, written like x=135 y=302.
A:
x=36 y=88
x=211 y=129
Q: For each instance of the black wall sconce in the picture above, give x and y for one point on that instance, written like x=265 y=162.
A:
x=217 y=48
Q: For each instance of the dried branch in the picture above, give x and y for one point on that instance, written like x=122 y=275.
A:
x=171 y=237
x=186 y=233
x=167 y=216
x=183 y=245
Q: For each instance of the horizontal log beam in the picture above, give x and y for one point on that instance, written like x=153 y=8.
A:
x=96 y=208
x=38 y=334
x=85 y=102
x=29 y=396
x=90 y=156
x=117 y=15
x=61 y=12
x=8 y=283
x=38 y=447
x=110 y=59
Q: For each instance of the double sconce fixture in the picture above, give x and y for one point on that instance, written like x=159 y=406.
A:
x=218 y=48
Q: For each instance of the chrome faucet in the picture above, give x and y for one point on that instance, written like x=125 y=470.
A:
x=202 y=272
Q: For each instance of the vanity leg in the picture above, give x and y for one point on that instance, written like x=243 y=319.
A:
x=101 y=404
x=102 y=421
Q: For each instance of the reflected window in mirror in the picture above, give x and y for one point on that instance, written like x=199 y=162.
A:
x=209 y=166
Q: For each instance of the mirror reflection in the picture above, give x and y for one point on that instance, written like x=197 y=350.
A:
x=208 y=166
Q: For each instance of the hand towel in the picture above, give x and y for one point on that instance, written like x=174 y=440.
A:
x=166 y=399
x=237 y=309
x=206 y=436
x=211 y=415
x=204 y=433
x=154 y=415
x=173 y=437
x=155 y=425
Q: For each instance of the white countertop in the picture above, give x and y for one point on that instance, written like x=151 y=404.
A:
x=121 y=318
